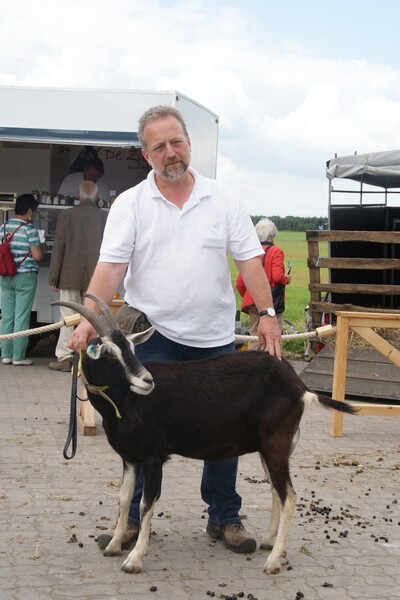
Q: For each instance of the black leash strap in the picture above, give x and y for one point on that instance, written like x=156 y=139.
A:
x=72 y=431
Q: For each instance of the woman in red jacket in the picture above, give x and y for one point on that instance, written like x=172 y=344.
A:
x=273 y=261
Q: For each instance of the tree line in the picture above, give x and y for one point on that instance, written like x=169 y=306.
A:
x=295 y=223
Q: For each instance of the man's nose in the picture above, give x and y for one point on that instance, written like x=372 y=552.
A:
x=170 y=149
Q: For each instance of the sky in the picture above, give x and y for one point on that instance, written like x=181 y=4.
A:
x=294 y=82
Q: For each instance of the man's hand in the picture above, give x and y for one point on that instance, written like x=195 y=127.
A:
x=105 y=280
x=270 y=336
x=82 y=335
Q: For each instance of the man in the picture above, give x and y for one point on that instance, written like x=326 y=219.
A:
x=170 y=234
x=93 y=171
x=75 y=253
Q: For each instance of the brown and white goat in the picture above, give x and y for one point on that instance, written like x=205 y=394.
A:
x=209 y=409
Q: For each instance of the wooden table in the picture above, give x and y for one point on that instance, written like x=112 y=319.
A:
x=363 y=324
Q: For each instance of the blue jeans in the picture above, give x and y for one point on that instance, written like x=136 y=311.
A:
x=218 y=484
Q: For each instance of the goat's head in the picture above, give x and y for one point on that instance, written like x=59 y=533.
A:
x=111 y=356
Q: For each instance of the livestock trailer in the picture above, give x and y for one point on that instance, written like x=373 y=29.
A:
x=363 y=265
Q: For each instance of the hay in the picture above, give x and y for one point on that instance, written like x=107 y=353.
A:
x=355 y=341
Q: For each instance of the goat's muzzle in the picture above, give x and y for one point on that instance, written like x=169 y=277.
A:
x=142 y=382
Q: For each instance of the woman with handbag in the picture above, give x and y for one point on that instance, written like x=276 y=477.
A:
x=18 y=291
x=274 y=267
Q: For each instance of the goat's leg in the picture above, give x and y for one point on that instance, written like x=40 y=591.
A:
x=273 y=563
x=125 y=496
x=269 y=537
x=278 y=469
x=151 y=489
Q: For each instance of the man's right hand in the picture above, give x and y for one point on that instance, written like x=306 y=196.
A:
x=82 y=335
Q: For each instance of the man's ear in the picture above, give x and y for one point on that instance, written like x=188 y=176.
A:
x=146 y=156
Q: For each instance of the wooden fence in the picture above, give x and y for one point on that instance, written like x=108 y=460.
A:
x=316 y=262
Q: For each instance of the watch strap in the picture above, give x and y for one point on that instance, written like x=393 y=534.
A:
x=264 y=313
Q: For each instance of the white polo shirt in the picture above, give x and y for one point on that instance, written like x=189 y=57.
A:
x=178 y=272
x=70 y=186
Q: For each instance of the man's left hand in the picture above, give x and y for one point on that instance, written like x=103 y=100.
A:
x=270 y=336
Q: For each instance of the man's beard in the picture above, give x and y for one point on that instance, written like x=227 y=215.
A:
x=178 y=171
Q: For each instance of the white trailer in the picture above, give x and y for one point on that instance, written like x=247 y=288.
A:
x=44 y=131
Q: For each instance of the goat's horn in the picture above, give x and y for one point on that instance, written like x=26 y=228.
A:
x=94 y=319
x=105 y=310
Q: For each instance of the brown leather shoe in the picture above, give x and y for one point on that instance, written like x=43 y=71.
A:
x=233 y=536
x=64 y=365
x=128 y=539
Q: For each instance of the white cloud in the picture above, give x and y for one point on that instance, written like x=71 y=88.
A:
x=283 y=111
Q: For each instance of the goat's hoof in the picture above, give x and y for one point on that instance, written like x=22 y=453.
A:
x=271 y=569
x=266 y=545
x=131 y=568
x=112 y=551
x=268 y=542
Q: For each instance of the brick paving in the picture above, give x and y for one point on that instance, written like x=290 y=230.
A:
x=344 y=542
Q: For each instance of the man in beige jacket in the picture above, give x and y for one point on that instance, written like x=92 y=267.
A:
x=77 y=241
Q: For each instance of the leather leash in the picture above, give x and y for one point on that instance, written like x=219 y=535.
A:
x=72 y=430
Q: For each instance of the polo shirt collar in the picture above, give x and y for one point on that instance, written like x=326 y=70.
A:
x=201 y=189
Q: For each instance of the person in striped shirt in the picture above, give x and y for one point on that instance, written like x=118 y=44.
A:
x=18 y=292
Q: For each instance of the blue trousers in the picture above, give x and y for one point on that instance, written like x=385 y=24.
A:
x=17 y=296
x=218 y=484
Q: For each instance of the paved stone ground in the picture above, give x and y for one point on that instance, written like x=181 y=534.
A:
x=344 y=542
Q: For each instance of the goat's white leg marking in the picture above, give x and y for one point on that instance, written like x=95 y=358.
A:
x=125 y=497
x=269 y=538
x=273 y=563
x=133 y=562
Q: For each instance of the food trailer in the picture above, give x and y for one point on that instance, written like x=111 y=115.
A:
x=47 y=133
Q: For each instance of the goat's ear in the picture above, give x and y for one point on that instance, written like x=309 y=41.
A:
x=142 y=336
x=94 y=351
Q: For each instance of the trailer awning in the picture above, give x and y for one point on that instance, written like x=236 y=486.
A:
x=381 y=169
x=63 y=136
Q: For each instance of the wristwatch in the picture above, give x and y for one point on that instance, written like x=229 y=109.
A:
x=268 y=312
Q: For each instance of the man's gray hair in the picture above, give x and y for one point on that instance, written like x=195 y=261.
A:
x=88 y=191
x=159 y=112
x=266 y=230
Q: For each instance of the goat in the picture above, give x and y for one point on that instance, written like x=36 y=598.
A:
x=208 y=409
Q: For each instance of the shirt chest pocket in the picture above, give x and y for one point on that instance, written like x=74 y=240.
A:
x=212 y=234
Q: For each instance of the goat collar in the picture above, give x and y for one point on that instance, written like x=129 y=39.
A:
x=97 y=389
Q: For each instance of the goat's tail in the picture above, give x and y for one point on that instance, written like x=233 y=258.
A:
x=313 y=398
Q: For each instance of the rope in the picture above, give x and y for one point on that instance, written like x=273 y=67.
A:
x=288 y=336
x=44 y=329
x=74 y=320
x=69 y=321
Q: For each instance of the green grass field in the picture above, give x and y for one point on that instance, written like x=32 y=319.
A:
x=294 y=245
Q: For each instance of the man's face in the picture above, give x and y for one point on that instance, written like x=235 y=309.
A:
x=91 y=174
x=168 y=149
